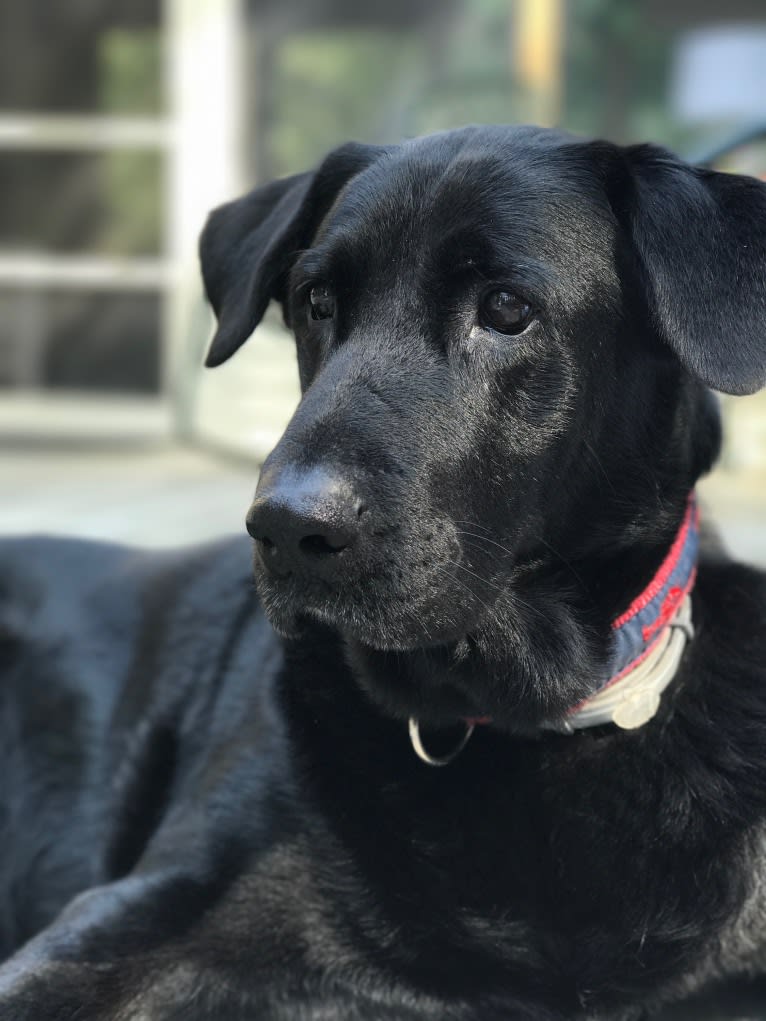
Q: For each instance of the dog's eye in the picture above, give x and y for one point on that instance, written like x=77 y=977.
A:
x=504 y=311
x=322 y=302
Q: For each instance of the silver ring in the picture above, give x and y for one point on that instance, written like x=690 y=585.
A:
x=434 y=760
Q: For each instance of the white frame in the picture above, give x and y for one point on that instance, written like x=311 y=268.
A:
x=200 y=136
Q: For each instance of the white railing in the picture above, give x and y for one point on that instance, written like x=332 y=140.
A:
x=97 y=272
x=200 y=137
x=40 y=131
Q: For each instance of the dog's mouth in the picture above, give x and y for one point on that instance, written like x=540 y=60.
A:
x=381 y=611
x=385 y=627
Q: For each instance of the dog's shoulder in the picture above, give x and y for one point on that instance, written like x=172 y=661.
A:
x=46 y=579
x=110 y=656
x=79 y=601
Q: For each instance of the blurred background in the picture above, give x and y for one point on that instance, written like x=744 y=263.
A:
x=122 y=122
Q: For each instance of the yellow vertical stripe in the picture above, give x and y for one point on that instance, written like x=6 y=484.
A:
x=538 y=28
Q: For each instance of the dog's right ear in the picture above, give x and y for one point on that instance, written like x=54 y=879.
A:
x=248 y=246
x=700 y=237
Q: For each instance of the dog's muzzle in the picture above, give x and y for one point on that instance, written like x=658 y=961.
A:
x=306 y=522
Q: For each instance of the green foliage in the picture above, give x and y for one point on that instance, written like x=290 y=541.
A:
x=131 y=71
x=332 y=86
x=134 y=199
x=131 y=83
x=131 y=76
x=376 y=85
x=616 y=73
x=470 y=79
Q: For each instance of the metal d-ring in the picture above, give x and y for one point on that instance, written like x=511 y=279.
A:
x=434 y=760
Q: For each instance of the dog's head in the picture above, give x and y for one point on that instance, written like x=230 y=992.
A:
x=505 y=338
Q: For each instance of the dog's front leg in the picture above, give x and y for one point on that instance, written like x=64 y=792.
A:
x=111 y=954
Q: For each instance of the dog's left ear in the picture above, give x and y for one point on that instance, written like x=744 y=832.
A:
x=701 y=239
x=248 y=246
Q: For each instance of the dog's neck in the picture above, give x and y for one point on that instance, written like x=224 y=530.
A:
x=648 y=640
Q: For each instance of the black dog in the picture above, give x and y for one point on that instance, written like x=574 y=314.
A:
x=478 y=517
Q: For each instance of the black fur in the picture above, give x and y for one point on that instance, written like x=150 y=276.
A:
x=203 y=820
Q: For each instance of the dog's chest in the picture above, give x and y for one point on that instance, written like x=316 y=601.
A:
x=590 y=880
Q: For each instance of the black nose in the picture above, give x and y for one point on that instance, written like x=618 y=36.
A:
x=304 y=519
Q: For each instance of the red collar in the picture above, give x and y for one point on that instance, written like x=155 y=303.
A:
x=637 y=632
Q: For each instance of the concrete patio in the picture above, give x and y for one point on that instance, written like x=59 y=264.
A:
x=152 y=494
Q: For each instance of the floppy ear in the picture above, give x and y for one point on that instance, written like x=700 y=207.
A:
x=248 y=246
x=701 y=238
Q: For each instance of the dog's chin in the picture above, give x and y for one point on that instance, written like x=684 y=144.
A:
x=412 y=683
x=394 y=634
x=445 y=663
x=383 y=623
